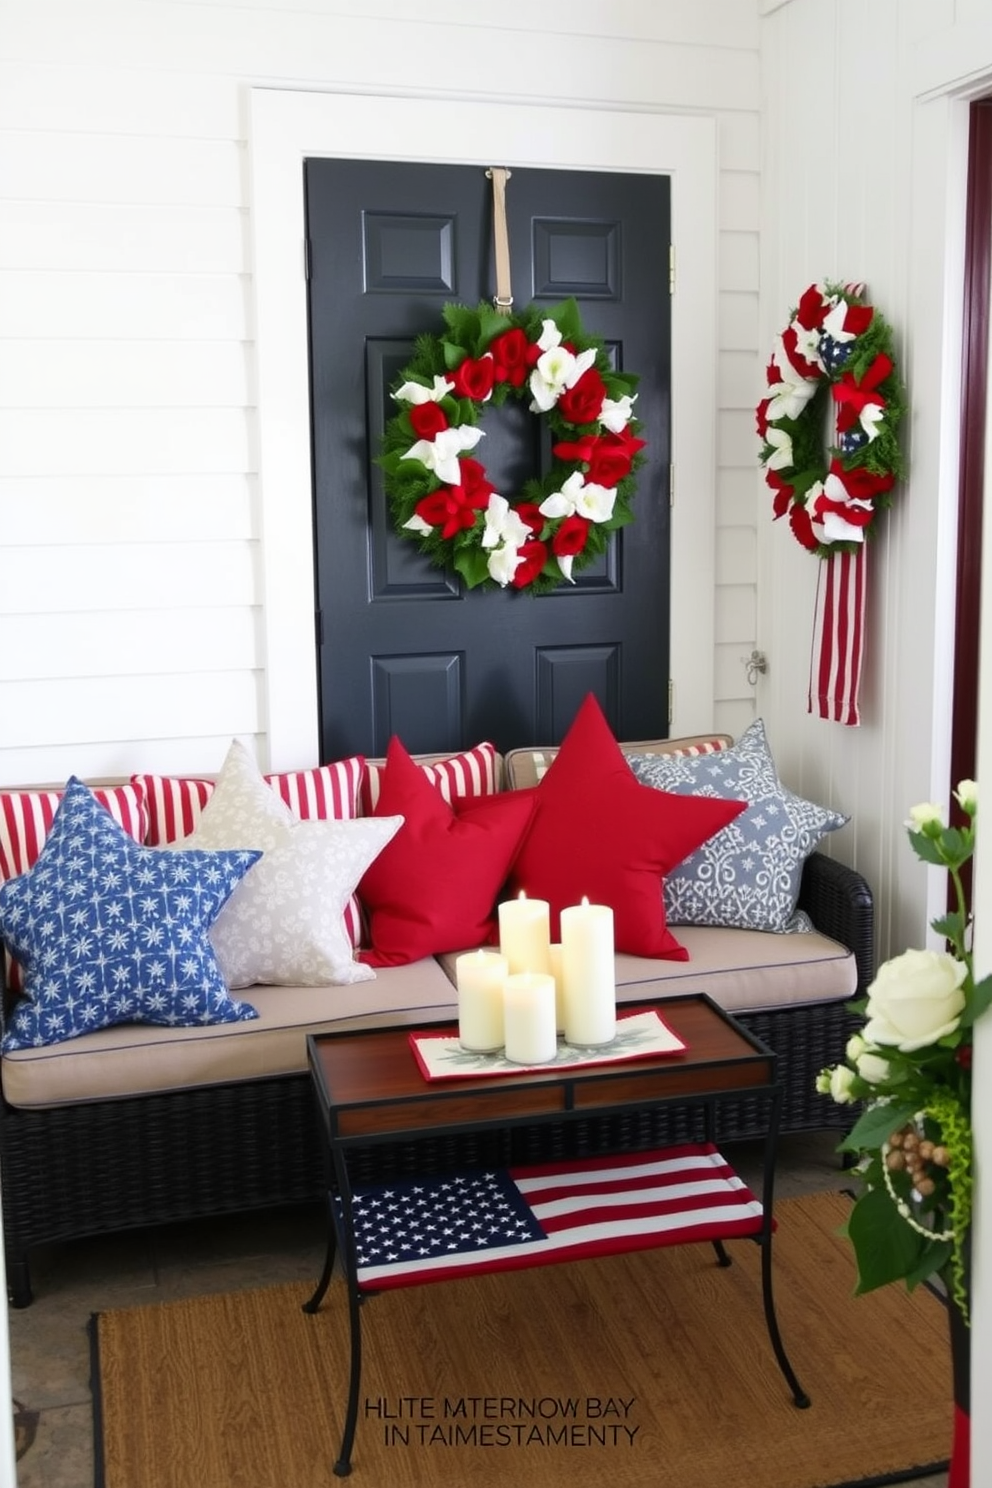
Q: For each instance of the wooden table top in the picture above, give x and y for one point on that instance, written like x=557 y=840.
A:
x=369 y=1084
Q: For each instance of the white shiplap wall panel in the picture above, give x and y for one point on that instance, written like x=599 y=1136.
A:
x=738 y=373
x=53 y=762
x=116 y=441
x=704 y=23
x=62 y=580
x=39 y=511
x=220 y=701
x=61 y=236
x=52 y=646
x=343 y=52
x=133 y=374
x=739 y=261
x=132 y=98
x=200 y=307
x=735 y=498
x=89 y=167
x=738 y=323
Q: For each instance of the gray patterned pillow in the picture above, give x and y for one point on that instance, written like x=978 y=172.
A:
x=746 y=876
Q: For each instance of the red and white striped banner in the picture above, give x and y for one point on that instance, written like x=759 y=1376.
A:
x=838 y=638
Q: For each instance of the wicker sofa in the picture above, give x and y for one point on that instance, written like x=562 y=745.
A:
x=135 y=1126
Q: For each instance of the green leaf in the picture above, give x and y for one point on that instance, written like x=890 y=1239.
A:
x=950 y=926
x=876 y=1125
x=979 y=1001
x=886 y=1248
x=927 y=849
x=472 y=564
x=934 y=1257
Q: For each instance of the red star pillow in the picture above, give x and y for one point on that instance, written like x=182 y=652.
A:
x=435 y=886
x=598 y=833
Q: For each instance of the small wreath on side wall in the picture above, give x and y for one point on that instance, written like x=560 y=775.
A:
x=440 y=495
x=835 y=353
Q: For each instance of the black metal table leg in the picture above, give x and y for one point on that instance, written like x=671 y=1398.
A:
x=799 y=1396
x=329 y=1254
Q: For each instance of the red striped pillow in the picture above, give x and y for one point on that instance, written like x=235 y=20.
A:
x=26 y=818
x=458 y=777
x=324 y=793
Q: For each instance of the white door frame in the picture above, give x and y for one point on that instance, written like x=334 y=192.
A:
x=285 y=128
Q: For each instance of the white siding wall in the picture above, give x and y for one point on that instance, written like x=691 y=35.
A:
x=132 y=629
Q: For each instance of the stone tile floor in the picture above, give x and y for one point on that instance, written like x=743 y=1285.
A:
x=49 y=1341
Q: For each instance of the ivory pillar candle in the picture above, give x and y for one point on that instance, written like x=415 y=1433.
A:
x=529 y=1018
x=479 y=976
x=556 y=972
x=588 y=973
x=525 y=934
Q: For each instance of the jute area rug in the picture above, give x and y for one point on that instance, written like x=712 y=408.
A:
x=651 y=1370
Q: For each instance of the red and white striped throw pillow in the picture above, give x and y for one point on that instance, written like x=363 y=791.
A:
x=459 y=777
x=324 y=793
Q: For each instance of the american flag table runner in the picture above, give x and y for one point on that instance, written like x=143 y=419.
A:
x=418 y=1230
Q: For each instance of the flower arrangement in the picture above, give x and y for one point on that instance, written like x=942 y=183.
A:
x=440 y=494
x=911 y=1065
x=835 y=350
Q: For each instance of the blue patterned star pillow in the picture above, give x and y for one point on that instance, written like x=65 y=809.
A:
x=110 y=932
x=747 y=876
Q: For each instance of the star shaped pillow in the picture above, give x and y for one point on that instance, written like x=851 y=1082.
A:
x=285 y=924
x=110 y=932
x=599 y=834
x=434 y=887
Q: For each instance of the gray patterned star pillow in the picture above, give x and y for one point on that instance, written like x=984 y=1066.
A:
x=746 y=876
x=109 y=932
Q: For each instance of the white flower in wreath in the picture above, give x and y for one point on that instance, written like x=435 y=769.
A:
x=416 y=392
x=503 y=563
x=788 y=398
x=417 y=524
x=440 y=454
x=833 y=525
x=870 y=418
x=557 y=369
x=616 y=413
x=503 y=525
x=808 y=343
x=578 y=497
x=781 y=443
x=833 y=323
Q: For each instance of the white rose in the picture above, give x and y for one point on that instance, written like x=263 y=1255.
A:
x=915 y=999
x=841 y=1079
x=967 y=795
x=873 y=1068
x=856 y=1046
x=927 y=814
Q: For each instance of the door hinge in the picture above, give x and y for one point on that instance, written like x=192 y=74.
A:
x=671 y=702
x=671 y=268
x=306 y=259
x=318 y=627
x=671 y=485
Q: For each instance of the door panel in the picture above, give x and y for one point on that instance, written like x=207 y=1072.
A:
x=405 y=647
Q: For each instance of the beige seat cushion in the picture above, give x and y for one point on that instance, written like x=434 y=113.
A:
x=137 y=1058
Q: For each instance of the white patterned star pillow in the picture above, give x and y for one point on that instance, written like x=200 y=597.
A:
x=110 y=932
x=285 y=924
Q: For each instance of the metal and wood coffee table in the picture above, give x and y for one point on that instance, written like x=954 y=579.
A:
x=370 y=1090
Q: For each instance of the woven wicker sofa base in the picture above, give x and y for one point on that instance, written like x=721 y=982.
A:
x=99 y=1168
